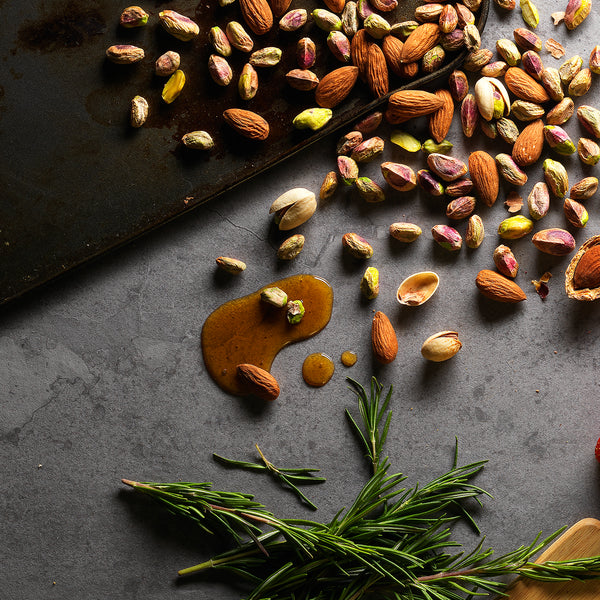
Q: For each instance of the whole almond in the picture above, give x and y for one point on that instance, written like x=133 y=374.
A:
x=258 y=382
x=247 y=123
x=407 y=104
x=441 y=119
x=377 y=72
x=335 y=86
x=392 y=49
x=484 y=174
x=529 y=145
x=359 y=50
x=383 y=339
x=497 y=287
x=422 y=39
x=279 y=7
x=258 y=15
x=524 y=86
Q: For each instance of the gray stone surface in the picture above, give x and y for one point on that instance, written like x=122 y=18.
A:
x=102 y=377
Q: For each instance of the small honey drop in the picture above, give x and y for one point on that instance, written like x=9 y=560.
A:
x=317 y=369
x=349 y=358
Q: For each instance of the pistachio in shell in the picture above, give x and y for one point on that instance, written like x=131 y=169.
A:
x=293 y=208
x=441 y=346
x=418 y=288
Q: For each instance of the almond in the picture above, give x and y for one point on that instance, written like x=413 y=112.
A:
x=279 y=7
x=529 y=145
x=247 y=123
x=407 y=104
x=336 y=6
x=484 y=175
x=422 y=39
x=258 y=382
x=524 y=86
x=335 y=86
x=392 y=49
x=497 y=287
x=359 y=50
x=377 y=72
x=383 y=339
x=258 y=15
x=587 y=271
x=441 y=119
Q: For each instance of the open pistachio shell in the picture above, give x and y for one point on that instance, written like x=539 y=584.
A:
x=484 y=96
x=293 y=208
x=441 y=346
x=418 y=288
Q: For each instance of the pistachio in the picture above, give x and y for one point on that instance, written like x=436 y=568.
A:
x=538 y=201
x=312 y=118
x=447 y=237
x=400 y=177
x=469 y=115
x=348 y=169
x=510 y=170
x=357 y=246
x=369 y=123
x=448 y=19
x=350 y=23
x=418 y=288
x=368 y=150
x=306 y=53
x=509 y=52
x=505 y=261
x=291 y=247
x=526 y=111
x=494 y=69
x=441 y=346
x=489 y=129
x=405 y=232
x=265 y=57
x=507 y=130
x=589 y=117
x=581 y=83
x=294 y=311
x=348 y=142
x=530 y=14
x=429 y=12
x=556 y=242
x=198 y=140
x=376 y=26
x=339 y=45
x=527 y=40
x=594 y=62
x=274 y=296
x=431 y=146
x=329 y=185
x=460 y=187
x=446 y=167
x=455 y=40
x=476 y=59
x=173 y=87
x=248 y=82
x=219 y=41
x=569 y=69
x=506 y=4
x=405 y=140
x=556 y=177
x=326 y=20
x=230 y=265
x=475 y=232
x=531 y=61
x=472 y=37
x=584 y=189
x=219 y=70
x=429 y=183
x=465 y=15
x=460 y=208
x=575 y=213
x=550 y=78
x=369 y=190
x=588 y=150
x=139 y=111
x=293 y=20
x=124 y=54
x=458 y=85
x=561 y=113
x=515 y=227
x=133 y=16
x=433 y=59
x=293 y=208
x=179 y=26
x=238 y=37
x=558 y=139
x=302 y=79
x=364 y=9
x=167 y=63
x=369 y=284
x=492 y=98
x=403 y=29
x=576 y=12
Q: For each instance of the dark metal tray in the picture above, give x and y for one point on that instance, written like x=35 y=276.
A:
x=77 y=180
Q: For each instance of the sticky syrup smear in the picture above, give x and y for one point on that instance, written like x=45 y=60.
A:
x=248 y=330
x=317 y=369
x=348 y=358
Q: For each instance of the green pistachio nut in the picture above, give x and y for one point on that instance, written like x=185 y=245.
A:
x=515 y=227
x=312 y=118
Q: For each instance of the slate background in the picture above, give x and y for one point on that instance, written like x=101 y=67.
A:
x=101 y=377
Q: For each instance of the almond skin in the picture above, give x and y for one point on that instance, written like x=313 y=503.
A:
x=441 y=119
x=377 y=72
x=359 y=50
x=279 y=7
x=529 y=145
x=383 y=339
x=247 y=123
x=258 y=15
x=392 y=49
x=407 y=104
x=497 y=287
x=587 y=271
x=422 y=39
x=484 y=175
x=524 y=86
x=335 y=86
x=258 y=382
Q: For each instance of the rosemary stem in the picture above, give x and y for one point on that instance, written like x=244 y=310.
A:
x=215 y=562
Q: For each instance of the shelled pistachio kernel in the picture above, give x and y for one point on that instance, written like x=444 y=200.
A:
x=369 y=190
x=405 y=232
x=230 y=265
x=588 y=150
x=178 y=25
x=173 y=87
x=274 y=296
x=312 y=118
x=357 y=246
x=447 y=237
x=475 y=232
x=124 y=54
x=515 y=227
x=369 y=284
x=291 y=247
x=556 y=177
x=139 y=111
x=329 y=185
x=219 y=41
x=133 y=16
x=167 y=63
x=575 y=213
x=198 y=140
x=294 y=311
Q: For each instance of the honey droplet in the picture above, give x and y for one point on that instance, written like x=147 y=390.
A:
x=248 y=330
x=317 y=369
x=349 y=358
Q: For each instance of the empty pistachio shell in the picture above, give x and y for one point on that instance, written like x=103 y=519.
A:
x=418 y=288
x=293 y=208
x=441 y=346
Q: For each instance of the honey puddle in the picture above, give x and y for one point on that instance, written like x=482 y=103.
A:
x=317 y=369
x=248 y=330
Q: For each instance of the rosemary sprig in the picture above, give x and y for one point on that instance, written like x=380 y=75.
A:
x=290 y=476
x=392 y=542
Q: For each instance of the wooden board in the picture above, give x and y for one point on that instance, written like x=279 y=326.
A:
x=581 y=540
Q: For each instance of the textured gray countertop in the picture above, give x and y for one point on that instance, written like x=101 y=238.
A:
x=102 y=377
